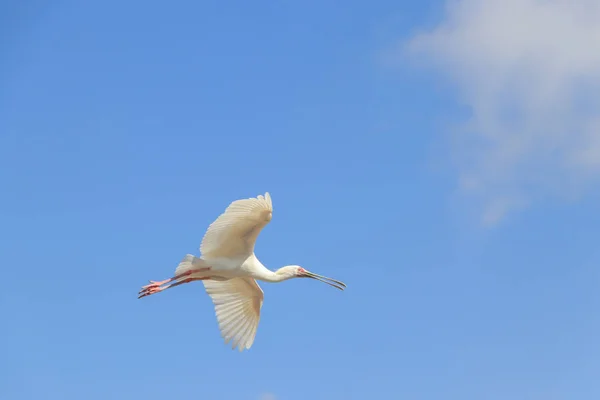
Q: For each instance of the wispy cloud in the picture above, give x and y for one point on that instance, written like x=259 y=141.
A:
x=530 y=72
x=268 y=396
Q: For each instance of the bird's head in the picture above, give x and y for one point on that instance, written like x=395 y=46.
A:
x=296 y=271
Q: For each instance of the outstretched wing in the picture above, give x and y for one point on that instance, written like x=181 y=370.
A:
x=235 y=231
x=237 y=305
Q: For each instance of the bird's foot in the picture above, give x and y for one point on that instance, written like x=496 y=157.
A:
x=157 y=286
x=156 y=283
x=153 y=287
x=149 y=291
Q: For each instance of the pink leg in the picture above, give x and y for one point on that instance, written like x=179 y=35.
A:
x=155 y=287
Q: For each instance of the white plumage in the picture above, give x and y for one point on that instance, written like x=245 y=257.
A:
x=234 y=232
x=237 y=304
x=228 y=268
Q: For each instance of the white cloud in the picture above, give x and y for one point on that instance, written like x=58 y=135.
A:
x=267 y=396
x=530 y=72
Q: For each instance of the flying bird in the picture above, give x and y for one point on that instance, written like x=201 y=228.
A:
x=229 y=269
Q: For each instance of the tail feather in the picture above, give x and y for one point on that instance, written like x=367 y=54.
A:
x=189 y=262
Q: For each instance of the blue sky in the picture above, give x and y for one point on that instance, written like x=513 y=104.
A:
x=439 y=159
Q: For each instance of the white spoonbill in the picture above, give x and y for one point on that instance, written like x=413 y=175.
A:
x=228 y=268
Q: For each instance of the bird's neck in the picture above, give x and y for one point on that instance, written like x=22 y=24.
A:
x=262 y=273
x=267 y=275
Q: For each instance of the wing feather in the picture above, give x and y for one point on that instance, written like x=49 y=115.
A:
x=237 y=304
x=233 y=234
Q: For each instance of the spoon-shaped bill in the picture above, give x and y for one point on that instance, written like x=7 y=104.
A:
x=330 y=281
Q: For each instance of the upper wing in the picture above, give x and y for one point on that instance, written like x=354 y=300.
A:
x=237 y=304
x=234 y=232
